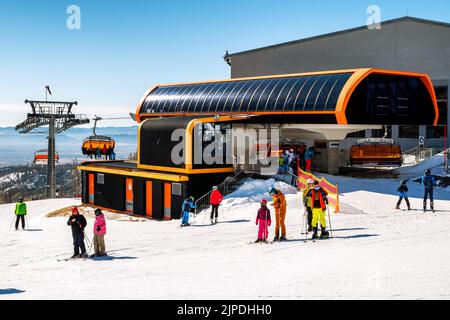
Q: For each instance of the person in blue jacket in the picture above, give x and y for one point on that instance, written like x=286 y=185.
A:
x=403 y=193
x=188 y=204
x=429 y=183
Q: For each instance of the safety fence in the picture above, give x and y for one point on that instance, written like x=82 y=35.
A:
x=332 y=190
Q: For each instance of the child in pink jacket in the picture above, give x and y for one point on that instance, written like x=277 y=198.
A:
x=264 y=221
x=99 y=234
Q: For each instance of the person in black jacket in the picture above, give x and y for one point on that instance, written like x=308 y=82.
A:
x=78 y=222
x=403 y=193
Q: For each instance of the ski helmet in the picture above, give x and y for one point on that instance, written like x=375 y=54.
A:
x=215 y=188
x=264 y=202
x=21 y=199
x=191 y=198
x=428 y=172
x=97 y=212
x=310 y=181
x=316 y=182
x=404 y=182
x=273 y=191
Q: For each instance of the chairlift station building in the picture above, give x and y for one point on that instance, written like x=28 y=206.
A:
x=317 y=90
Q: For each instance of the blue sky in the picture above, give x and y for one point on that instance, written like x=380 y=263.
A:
x=124 y=47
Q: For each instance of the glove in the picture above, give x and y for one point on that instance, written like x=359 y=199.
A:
x=98 y=228
x=326 y=200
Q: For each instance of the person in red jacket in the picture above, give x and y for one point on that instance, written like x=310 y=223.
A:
x=215 y=199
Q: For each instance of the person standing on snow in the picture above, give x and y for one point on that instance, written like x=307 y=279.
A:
x=264 y=221
x=403 y=192
x=78 y=222
x=188 y=204
x=309 y=154
x=99 y=234
x=307 y=200
x=21 y=212
x=286 y=162
x=279 y=203
x=215 y=199
x=319 y=202
x=429 y=183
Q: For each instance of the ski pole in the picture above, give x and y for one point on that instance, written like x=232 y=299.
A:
x=88 y=241
x=329 y=220
x=12 y=223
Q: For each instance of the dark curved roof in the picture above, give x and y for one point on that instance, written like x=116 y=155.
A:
x=297 y=93
x=345 y=96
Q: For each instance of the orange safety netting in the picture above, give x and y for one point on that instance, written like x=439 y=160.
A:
x=332 y=190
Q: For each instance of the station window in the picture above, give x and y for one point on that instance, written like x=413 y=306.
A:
x=379 y=133
x=409 y=132
x=437 y=132
x=359 y=134
x=100 y=178
x=442 y=101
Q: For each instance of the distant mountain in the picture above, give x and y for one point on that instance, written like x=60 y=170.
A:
x=18 y=148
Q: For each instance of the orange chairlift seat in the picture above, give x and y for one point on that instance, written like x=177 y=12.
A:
x=376 y=152
x=91 y=143
x=41 y=157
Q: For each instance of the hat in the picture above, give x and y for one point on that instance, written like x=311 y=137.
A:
x=273 y=191
x=263 y=202
x=215 y=188
x=310 y=181
x=74 y=209
x=428 y=172
x=21 y=199
x=316 y=182
x=97 y=212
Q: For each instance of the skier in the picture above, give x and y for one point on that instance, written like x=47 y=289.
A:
x=319 y=202
x=310 y=184
x=215 y=199
x=279 y=203
x=429 y=183
x=309 y=154
x=78 y=222
x=286 y=161
x=403 y=191
x=188 y=204
x=99 y=234
x=21 y=212
x=264 y=221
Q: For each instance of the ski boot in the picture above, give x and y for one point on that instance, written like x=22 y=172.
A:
x=397 y=208
x=212 y=221
x=216 y=220
x=74 y=256
x=276 y=238
x=310 y=228
x=324 y=234
x=315 y=235
x=83 y=256
x=258 y=241
x=283 y=238
x=424 y=206
x=432 y=207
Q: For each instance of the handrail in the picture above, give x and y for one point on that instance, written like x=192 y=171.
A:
x=203 y=201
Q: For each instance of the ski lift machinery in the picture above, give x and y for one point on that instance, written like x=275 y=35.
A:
x=376 y=152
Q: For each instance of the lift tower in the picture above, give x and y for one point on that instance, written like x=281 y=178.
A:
x=58 y=117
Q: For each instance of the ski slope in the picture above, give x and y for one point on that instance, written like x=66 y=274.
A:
x=377 y=253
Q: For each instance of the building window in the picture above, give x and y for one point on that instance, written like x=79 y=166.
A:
x=442 y=101
x=359 y=134
x=437 y=132
x=176 y=189
x=100 y=178
x=379 y=133
x=409 y=132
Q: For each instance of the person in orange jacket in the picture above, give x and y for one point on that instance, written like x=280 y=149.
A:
x=215 y=199
x=279 y=204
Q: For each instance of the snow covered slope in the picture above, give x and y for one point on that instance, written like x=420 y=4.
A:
x=377 y=252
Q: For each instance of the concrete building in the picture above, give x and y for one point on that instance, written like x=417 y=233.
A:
x=408 y=44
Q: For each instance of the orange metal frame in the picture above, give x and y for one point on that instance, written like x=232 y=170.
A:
x=358 y=76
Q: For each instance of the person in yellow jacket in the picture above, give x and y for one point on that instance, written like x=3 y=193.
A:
x=319 y=205
x=21 y=212
x=279 y=204
x=307 y=201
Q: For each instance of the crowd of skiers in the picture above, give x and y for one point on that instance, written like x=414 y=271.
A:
x=314 y=198
x=293 y=159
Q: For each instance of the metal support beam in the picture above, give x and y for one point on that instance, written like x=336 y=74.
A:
x=51 y=169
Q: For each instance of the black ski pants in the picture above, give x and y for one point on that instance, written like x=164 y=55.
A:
x=20 y=218
x=214 y=210
x=78 y=243
x=428 y=193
